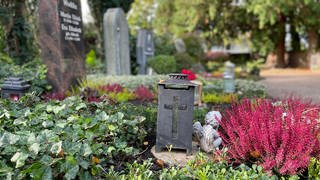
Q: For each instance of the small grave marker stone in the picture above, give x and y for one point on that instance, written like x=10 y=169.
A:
x=145 y=49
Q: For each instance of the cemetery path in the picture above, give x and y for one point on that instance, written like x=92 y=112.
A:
x=281 y=83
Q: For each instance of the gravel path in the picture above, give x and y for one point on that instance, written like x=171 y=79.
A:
x=302 y=83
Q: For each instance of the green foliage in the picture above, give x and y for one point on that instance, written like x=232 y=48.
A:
x=201 y=168
x=140 y=15
x=94 y=64
x=163 y=64
x=33 y=71
x=193 y=46
x=99 y=7
x=122 y=96
x=164 y=45
x=184 y=61
x=133 y=54
x=244 y=88
x=130 y=82
x=69 y=138
x=314 y=169
x=219 y=98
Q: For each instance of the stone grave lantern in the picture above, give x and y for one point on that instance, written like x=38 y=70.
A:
x=228 y=77
x=13 y=88
x=175 y=113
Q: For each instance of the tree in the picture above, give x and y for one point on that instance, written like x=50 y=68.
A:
x=99 y=7
x=16 y=18
x=141 y=15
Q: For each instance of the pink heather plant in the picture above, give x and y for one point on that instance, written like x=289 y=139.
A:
x=115 y=88
x=280 y=136
x=142 y=93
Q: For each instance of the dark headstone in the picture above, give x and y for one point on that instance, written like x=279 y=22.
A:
x=145 y=49
x=61 y=42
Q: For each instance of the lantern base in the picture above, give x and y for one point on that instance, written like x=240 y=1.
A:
x=160 y=149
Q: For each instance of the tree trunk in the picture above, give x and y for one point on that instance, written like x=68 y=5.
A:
x=280 y=48
x=313 y=45
x=295 y=55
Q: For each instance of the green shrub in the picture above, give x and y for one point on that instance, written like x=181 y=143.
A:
x=164 y=45
x=193 y=46
x=184 y=61
x=314 y=169
x=130 y=82
x=244 y=88
x=163 y=64
x=93 y=64
x=34 y=71
x=219 y=98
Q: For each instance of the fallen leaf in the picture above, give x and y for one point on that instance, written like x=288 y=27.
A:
x=95 y=160
x=160 y=163
x=255 y=154
x=61 y=153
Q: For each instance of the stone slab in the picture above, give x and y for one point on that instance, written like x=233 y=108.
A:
x=176 y=157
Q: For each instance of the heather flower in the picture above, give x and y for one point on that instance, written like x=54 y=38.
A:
x=114 y=88
x=142 y=93
x=280 y=136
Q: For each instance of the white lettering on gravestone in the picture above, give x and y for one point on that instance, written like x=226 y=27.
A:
x=64 y=28
x=76 y=18
x=75 y=29
x=70 y=4
x=65 y=15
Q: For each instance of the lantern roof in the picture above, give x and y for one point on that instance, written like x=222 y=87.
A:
x=177 y=79
x=15 y=83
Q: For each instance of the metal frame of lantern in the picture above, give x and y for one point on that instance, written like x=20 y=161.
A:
x=14 y=88
x=175 y=113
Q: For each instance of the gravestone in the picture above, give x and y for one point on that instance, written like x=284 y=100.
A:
x=145 y=49
x=116 y=42
x=180 y=45
x=61 y=43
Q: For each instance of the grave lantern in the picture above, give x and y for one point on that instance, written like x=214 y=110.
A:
x=13 y=88
x=175 y=113
x=228 y=77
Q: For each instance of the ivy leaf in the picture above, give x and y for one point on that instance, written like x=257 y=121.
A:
x=72 y=173
x=57 y=109
x=47 y=175
x=19 y=158
x=81 y=106
x=110 y=149
x=56 y=148
x=84 y=164
x=86 y=150
x=47 y=124
x=31 y=138
x=8 y=138
x=35 y=148
x=5 y=114
x=111 y=127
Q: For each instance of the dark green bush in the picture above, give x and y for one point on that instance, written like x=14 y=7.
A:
x=163 y=64
x=184 y=61
x=193 y=46
x=164 y=45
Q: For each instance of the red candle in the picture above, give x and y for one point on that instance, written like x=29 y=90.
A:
x=14 y=97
